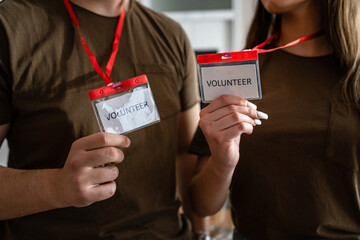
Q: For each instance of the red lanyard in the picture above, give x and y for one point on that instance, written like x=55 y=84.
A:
x=115 y=46
x=297 y=41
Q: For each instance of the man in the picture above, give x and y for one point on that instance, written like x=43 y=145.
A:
x=65 y=180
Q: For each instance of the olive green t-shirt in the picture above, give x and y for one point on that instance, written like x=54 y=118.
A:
x=298 y=173
x=45 y=77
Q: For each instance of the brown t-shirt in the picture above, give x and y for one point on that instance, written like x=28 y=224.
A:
x=45 y=77
x=298 y=173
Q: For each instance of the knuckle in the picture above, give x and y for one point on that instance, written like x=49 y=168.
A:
x=218 y=139
x=246 y=128
x=80 y=195
x=74 y=163
x=236 y=116
x=232 y=108
x=223 y=99
x=208 y=129
x=243 y=101
x=252 y=112
x=108 y=191
x=112 y=153
x=242 y=127
x=104 y=138
x=77 y=181
x=249 y=131
x=202 y=123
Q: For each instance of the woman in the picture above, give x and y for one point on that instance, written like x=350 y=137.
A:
x=297 y=176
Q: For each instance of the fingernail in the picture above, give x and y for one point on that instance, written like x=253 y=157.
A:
x=257 y=122
x=251 y=105
x=262 y=115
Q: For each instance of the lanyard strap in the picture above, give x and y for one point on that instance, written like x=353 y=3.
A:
x=115 y=46
x=297 y=41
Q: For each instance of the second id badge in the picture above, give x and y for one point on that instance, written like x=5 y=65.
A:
x=235 y=73
x=124 y=106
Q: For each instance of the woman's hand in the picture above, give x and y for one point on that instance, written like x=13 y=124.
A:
x=223 y=121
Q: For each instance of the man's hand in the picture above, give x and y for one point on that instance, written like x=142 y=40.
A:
x=89 y=173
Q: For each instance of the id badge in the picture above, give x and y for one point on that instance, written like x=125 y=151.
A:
x=235 y=73
x=124 y=106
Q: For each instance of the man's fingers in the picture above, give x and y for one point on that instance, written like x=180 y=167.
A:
x=100 y=140
x=94 y=193
x=102 y=156
x=102 y=175
x=104 y=191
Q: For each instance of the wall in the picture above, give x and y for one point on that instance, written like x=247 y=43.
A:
x=3 y=153
x=211 y=24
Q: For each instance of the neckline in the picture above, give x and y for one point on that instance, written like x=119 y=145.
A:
x=305 y=57
x=79 y=8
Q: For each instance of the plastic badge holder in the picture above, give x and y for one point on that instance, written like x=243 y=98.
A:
x=124 y=106
x=235 y=73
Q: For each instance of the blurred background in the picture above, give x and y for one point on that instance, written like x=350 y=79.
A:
x=3 y=153
x=212 y=25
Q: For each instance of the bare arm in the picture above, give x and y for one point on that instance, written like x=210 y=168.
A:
x=186 y=164
x=85 y=178
x=222 y=122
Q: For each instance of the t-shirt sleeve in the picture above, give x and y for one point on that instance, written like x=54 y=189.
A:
x=189 y=94
x=199 y=145
x=5 y=86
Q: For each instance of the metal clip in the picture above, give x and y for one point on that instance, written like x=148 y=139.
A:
x=226 y=56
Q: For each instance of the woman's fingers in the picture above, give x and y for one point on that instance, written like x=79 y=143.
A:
x=222 y=101
x=234 y=131
x=228 y=121
x=229 y=109
x=230 y=116
x=225 y=104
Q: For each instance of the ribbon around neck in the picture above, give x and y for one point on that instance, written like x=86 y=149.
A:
x=115 y=45
x=297 y=41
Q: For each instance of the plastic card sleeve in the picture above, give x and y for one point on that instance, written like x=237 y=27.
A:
x=124 y=106
x=234 y=73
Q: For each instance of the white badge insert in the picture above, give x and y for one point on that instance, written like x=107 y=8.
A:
x=125 y=106
x=235 y=73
